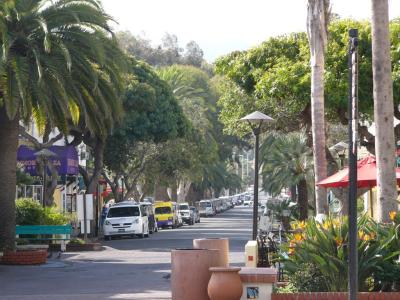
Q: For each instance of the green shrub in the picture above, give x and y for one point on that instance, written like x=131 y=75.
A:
x=31 y=212
x=322 y=248
x=52 y=217
x=290 y=288
x=77 y=241
x=308 y=278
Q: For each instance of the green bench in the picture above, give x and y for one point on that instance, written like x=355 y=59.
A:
x=46 y=233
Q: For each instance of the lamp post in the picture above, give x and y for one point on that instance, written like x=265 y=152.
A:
x=256 y=120
x=44 y=155
x=353 y=145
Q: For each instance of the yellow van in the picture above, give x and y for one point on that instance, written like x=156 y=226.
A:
x=165 y=212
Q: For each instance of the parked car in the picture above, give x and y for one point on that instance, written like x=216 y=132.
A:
x=206 y=208
x=151 y=216
x=185 y=213
x=248 y=202
x=166 y=215
x=126 y=218
x=196 y=214
x=178 y=215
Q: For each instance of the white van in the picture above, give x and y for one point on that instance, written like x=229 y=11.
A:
x=206 y=208
x=126 y=218
x=186 y=213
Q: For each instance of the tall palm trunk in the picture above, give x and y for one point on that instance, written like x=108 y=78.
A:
x=317 y=36
x=383 y=110
x=8 y=164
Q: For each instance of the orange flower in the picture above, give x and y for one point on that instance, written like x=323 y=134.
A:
x=336 y=223
x=302 y=225
x=298 y=237
x=367 y=237
x=339 y=241
x=392 y=215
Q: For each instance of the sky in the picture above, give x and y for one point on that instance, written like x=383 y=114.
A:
x=223 y=26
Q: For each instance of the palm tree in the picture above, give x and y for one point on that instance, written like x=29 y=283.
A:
x=317 y=22
x=383 y=110
x=57 y=63
x=286 y=163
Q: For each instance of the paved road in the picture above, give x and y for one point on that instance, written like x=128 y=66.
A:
x=126 y=269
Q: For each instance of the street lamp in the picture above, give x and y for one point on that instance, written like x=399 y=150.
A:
x=256 y=120
x=44 y=155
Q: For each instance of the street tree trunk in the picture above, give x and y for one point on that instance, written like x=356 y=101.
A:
x=183 y=189
x=383 y=110
x=8 y=165
x=317 y=20
x=98 y=166
x=303 y=199
x=160 y=191
x=293 y=193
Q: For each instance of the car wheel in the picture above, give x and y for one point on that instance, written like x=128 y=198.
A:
x=142 y=234
x=107 y=238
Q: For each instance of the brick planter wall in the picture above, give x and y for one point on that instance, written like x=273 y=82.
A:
x=336 y=296
x=26 y=257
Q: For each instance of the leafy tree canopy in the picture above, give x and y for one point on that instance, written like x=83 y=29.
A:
x=151 y=114
x=275 y=78
x=166 y=54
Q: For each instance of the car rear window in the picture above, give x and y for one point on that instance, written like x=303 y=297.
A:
x=163 y=210
x=118 y=212
x=183 y=207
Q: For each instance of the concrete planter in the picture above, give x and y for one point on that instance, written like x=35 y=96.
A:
x=190 y=273
x=225 y=284
x=25 y=257
x=220 y=244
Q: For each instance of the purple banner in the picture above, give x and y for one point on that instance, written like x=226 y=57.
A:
x=65 y=159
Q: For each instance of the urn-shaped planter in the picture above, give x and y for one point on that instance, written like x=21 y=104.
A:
x=221 y=244
x=225 y=284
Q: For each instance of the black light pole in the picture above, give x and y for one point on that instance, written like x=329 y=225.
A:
x=44 y=181
x=256 y=132
x=353 y=139
x=44 y=155
x=256 y=120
